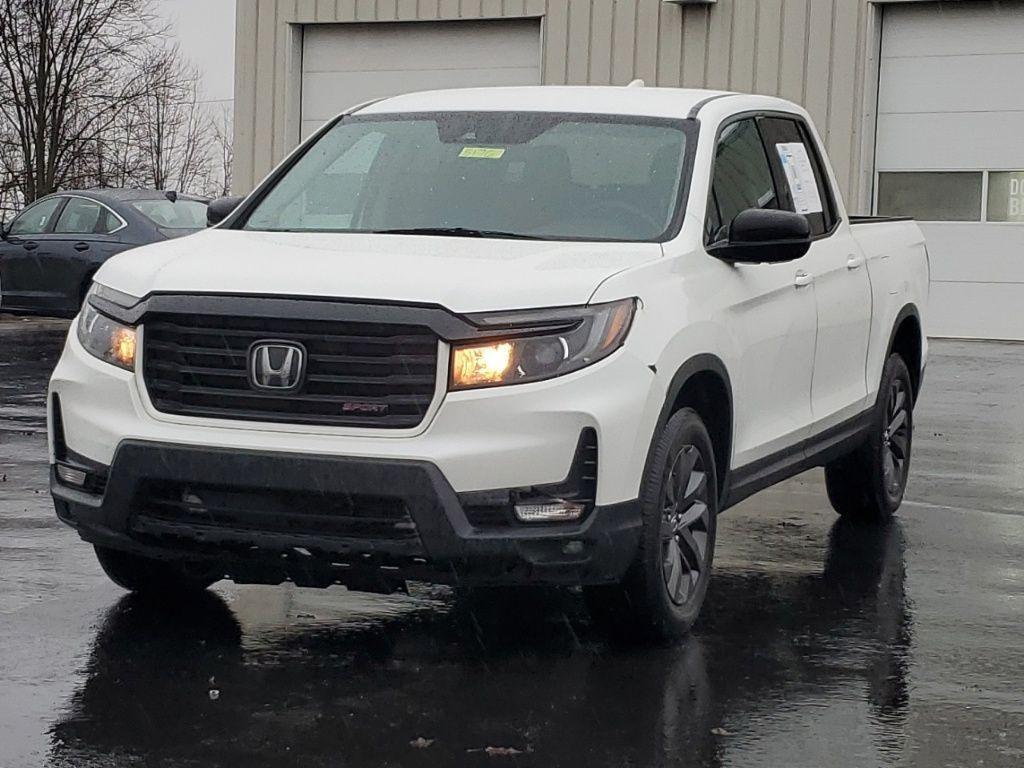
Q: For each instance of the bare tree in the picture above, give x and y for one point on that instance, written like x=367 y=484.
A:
x=68 y=71
x=223 y=150
x=172 y=129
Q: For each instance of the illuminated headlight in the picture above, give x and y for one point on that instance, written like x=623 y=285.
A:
x=105 y=338
x=584 y=336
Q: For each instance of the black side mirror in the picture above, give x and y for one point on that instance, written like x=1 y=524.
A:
x=759 y=236
x=221 y=208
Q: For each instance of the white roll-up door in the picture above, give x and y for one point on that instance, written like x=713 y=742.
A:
x=950 y=152
x=345 y=64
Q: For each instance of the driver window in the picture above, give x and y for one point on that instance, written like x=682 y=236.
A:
x=742 y=178
x=35 y=220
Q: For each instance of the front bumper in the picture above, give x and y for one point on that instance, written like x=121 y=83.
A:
x=404 y=520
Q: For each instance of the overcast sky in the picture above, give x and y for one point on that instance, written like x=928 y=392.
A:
x=205 y=30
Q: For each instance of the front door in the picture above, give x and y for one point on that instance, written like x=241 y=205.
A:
x=23 y=252
x=771 y=308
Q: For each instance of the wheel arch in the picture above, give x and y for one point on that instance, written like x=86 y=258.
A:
x=703 y=383
x=907 y=340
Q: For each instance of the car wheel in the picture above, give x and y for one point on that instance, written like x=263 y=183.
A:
x=148 y=576
x=869 y=483
x=665 y=587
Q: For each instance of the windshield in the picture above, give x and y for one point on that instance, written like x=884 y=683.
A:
x=180 y=214
x=549 y=176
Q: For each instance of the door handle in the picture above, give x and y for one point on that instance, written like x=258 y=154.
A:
x=803 y=279
x=854 y=262
x=81 y=246
x=30 y=246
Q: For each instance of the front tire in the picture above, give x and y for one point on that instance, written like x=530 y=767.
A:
x=869 y=484
x=664 y=590
x=147 y=576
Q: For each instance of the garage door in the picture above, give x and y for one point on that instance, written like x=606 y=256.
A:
x=950 y=153
x=345 y=64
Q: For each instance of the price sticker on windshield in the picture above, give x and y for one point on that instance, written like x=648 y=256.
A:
x=482 y=153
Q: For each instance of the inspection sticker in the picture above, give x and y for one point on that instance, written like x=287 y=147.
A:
x=482 y=153
x=800 y=174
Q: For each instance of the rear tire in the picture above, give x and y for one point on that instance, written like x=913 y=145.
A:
x=868 y=484
x=147 y=576
x=664 y=589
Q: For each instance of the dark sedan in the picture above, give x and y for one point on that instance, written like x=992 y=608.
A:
x=49 y=253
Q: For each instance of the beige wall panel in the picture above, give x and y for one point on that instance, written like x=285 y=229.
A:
x=670 y=45
x=769 y=47
x=600 y=69
x=623 y=42
x=578 y=49
x=695 y=46
x=646 y=57
x=792 y=63
x=818 y=69
x=245 y=94
x=742 y=41
x=844 y=109
x=809 y=51
x=719 y=55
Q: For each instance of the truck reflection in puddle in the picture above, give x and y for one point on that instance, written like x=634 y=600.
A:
x=795 y=665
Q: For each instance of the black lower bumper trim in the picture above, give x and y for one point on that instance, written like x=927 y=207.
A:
x=267 y=517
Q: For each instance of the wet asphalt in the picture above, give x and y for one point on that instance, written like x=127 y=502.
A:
x=822 y=644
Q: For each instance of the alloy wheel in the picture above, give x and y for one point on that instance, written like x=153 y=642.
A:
x=896 y=438
x=685 y=525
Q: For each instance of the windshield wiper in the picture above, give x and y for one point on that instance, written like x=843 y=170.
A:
x=458 y=232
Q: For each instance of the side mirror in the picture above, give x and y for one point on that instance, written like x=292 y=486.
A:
x=760 y=236
x=221 y=208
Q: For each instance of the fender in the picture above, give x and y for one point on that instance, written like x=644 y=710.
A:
x=701 y=363
x=909 y=310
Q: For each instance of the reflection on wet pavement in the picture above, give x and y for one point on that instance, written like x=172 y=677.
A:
x=823 y=644
x=467 y=675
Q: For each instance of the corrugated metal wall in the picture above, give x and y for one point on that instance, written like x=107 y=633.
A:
x=810 y=51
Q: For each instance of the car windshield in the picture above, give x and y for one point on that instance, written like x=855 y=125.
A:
x=179 y=214
x=501 y=174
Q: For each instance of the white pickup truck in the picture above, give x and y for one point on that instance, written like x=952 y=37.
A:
x=500 y=336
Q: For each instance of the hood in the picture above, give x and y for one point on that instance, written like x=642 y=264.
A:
x=462 y=274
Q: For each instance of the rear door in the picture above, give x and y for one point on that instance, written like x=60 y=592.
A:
x=842 y=289
x=84 y=236
x=23 y=252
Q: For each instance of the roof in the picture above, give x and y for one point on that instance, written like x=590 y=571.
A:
x=641 y=101
x=111 y=195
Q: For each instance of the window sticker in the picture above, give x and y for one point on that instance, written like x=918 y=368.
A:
x=800 y=174
x=482 y=153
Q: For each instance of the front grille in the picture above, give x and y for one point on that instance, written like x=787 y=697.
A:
x=201 y=511
x=358 y=374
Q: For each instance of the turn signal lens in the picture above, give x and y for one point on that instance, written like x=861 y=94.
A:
x=122 y=347
x=474 y=366
x=106 y=338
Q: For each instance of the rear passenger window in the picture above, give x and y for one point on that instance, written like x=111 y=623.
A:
x=742 y=178
x=789 y=143
x=84 y=217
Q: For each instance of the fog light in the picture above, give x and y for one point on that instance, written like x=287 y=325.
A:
x=71 y=476
x=554 y=511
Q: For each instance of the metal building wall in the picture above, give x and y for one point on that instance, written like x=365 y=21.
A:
x=815 y=52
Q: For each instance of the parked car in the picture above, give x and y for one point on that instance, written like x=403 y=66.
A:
x=50 y=251
x=496 y=337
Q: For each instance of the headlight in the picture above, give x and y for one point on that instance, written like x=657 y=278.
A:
x=107 y=339
x=586 y=335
